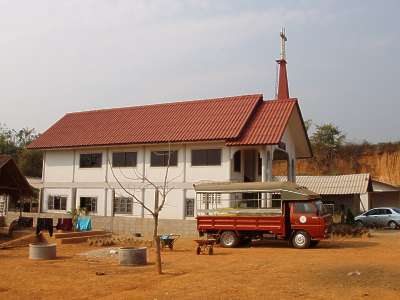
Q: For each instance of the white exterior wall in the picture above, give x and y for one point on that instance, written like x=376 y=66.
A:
x=156 y=174
x=56 y=192
x=287 y=138
x=58 y=166
x=62 y=173
x=174 y=205
x=137 y=210
x=90 y=174
x=121 y=173
x=100 y=194
x=214 y=173
x=364 y=203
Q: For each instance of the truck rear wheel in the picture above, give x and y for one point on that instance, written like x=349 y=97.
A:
x=229 y=239
x=301 y=240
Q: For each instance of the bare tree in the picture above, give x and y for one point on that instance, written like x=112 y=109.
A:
x=161 y=191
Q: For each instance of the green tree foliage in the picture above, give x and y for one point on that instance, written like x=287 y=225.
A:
x=326 y=142
x=14 y=142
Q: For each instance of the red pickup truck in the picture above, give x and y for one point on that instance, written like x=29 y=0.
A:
x=240 y=212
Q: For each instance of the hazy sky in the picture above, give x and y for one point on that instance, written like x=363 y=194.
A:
x=63 y=56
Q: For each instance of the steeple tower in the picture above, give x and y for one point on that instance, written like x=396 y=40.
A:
x=283 y=86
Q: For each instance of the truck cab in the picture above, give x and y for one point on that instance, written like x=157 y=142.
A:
x=308 y=217
x=296 y=214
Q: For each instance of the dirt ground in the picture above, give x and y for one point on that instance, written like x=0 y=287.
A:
x=268 y=270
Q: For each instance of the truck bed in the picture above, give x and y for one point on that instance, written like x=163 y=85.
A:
x=272 y=223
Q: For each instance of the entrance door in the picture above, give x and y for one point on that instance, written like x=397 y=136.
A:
x=249 y=165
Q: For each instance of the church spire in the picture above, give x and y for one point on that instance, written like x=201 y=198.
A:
x=283 y=87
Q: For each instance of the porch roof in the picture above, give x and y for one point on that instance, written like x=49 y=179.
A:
x=11 y=179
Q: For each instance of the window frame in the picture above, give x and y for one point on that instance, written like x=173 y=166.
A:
x=61 y=198
x=91 y=158
x=164 y=153
x=126 y=212
x=192 y=208
x=372 y=212
x=124 y=164
x=305 y=211
x=207 y=162
x=95 y=198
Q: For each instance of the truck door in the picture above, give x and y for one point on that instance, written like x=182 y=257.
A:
x=304 y=216
x=286 y=214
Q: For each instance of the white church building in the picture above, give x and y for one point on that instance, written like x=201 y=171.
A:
x=89 y=155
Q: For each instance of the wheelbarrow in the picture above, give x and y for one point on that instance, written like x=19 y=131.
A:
x=205 y=246
x=168 y=240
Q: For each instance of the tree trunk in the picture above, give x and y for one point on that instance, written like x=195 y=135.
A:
x=156 y=240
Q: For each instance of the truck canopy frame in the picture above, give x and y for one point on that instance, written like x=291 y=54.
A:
x=248 y=198
x=289 y=191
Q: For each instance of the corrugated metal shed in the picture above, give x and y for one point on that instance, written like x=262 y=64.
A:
x=334 y=185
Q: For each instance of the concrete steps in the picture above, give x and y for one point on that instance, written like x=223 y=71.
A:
x=61 y=235
x=80 y=237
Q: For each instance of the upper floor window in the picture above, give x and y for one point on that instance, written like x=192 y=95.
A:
x=160 y=158
x=206 y=157
x=124 y=159
x=90 y=160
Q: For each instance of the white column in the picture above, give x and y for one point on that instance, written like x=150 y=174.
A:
x=294 y=169
x=105 y=199
x=264 y=168
x=269 y=157
x=289 y=168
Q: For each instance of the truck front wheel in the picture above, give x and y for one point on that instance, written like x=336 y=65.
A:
x=229 y=239
x=301 y=240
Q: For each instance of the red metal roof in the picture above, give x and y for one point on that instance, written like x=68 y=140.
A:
x=211 y=119
x=267 y=124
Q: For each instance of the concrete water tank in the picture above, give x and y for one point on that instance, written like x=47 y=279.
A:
x=42 y=251
x=131 y=256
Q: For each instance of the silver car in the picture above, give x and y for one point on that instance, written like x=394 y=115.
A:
x=380 y=217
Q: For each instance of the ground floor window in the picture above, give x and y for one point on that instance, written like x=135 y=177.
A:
x=189 y=207
x=57 y=203
x=123 y=205
x=88 y=203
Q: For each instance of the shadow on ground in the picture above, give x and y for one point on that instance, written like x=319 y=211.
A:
x=324 y=244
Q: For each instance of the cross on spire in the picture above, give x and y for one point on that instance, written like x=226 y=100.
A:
x=283 y=86
x=283 y=43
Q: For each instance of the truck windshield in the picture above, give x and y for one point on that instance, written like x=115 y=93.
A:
x=320 y=208
x=305 y=207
